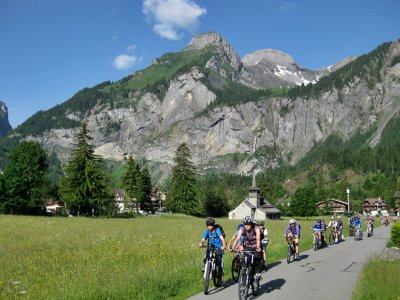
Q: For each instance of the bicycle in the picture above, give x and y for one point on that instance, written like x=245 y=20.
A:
x=369 y=229
x=358 y=234
x=316 y=241
x=332 y=237
x=212 y=270
x=236 y=265
x=291 y=254
x=246 y=276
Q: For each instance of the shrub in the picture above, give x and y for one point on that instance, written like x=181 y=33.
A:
x=395 y=234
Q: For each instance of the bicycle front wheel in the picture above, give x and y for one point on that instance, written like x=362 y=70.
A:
x=235 y=268
x=207 y=272
x=289 y=254
x=217 y=276
x=331 y=239
x=243 y=285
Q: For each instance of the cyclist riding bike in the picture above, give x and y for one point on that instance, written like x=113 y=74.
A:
x=292 y=231
x=264 y=240
x=339 y=228
x=251 y=242
x=318 y=229
x=230 y=243
x=370 y=220
x=215 y=239
x=356 y=222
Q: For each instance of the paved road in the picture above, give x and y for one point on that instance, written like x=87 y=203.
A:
x=329 y=273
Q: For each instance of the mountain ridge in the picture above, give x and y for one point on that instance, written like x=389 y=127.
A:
x=207 y=98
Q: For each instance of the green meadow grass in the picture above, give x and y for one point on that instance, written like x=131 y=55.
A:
x=154 y=257
x=379 y=280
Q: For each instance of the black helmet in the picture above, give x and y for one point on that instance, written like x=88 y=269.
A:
x=247 y=220
x=210 y=222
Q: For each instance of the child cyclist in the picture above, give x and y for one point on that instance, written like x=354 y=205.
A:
x=215 y=239
x=293 y=231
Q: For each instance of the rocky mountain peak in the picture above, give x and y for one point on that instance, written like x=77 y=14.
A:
x=5 y=126
x=203 y=40
x=268 y=55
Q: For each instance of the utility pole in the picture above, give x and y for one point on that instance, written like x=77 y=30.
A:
x=348 y=199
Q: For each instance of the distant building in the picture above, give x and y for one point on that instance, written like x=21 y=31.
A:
x=255 y=206
x=334 y=206
x=52 y=207
x=374 y=206
x=123 y=203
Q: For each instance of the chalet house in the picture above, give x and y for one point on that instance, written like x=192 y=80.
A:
x=52 y=207
x=122 y=202
x=334 y=206
x=255 y=206
x=374 y=206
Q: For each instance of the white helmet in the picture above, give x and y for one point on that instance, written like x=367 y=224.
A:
x=292 y=221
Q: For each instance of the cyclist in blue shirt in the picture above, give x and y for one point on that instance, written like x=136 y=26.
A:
x=293 y=231
x=215 y=239
x=356 y=222
x=318 y=229
x=239 y=228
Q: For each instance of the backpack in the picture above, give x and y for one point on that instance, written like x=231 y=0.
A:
x=220 y=228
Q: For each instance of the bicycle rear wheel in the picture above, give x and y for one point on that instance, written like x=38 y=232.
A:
x=207 y=272
x=243 y=285
x=235 y=268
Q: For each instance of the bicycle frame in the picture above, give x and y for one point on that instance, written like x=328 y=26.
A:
x=247 y=274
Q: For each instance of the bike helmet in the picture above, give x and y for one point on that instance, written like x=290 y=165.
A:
x=260 y=223
x=240 y=226
x=332 y=218
x=292 y=221
x=319 y=221
x=247 y=220
x=210 y=222
x=339 y=217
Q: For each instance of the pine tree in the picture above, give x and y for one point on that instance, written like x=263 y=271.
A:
x=184 y=196
x=132 y=181
x=85 y=186
x=24 y=180
x=146 y=187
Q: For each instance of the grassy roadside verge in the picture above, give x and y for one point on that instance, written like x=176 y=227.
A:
x=379 y=279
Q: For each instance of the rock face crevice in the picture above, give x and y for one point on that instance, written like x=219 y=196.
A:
x=5 y=126
x=154 y=129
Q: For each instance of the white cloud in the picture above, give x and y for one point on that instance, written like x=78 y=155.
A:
x=172 y=15
x=124 y=61
x=288 y=6
x=131 y=48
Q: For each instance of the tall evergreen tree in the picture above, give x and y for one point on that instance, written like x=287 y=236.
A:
x=145 y=199
x=132 y=181
x=24 y=180
x=184 y=196
x=85 y=186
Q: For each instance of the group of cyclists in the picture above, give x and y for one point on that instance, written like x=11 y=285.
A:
x=252 y=235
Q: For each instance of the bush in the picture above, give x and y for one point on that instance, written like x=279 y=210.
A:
x=395 y=234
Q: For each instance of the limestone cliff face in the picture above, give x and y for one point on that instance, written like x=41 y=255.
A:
x=5 y=126
x=154 y=128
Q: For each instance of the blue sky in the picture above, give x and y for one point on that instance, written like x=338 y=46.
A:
x=51 y=49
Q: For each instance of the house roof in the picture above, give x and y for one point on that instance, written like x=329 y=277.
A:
x=270 y=210
x=334 y=200
x=373 y=201
x=248 y=204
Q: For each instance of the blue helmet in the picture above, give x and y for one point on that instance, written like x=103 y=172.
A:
x=240 y=226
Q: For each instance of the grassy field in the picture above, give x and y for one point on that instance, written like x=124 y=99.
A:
x=379 y=279
x=154 y=257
